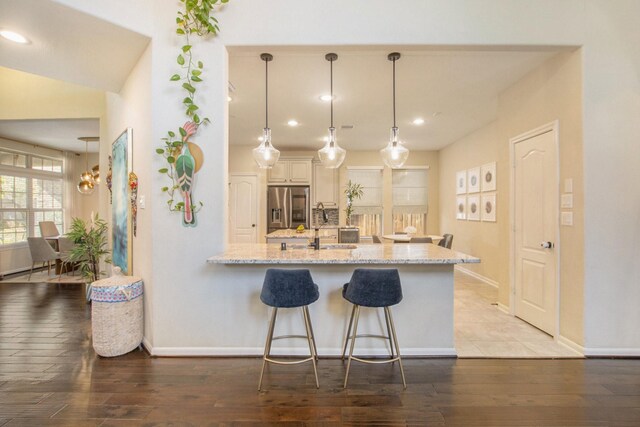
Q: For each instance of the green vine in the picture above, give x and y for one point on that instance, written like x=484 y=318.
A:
x=195 y=18
x=353 y=192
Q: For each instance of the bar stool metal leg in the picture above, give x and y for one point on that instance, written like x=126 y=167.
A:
x=312 y=346
x=386 y=319
x=347 y=336
x=353 y=342
x=267 y=344
x=305 y=309
x=395 y=340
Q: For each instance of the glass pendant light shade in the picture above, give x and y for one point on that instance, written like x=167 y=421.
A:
x=394 y=155
x=86 y=187
x=332 y=155
x=265 y=154
x=95 y=171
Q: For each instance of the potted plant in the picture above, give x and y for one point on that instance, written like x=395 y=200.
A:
x=353 y=192
x=90 y=248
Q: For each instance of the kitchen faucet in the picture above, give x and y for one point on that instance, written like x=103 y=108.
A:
x=325 y=217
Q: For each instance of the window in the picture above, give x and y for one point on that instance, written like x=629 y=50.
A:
x=367 y=212
x=410 y=199
x=31 y=190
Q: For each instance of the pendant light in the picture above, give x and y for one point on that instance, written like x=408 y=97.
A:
x=331 y=155
x=394 y=154
x=86 y=184
x=265 y=154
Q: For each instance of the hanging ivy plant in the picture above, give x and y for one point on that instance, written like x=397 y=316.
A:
x=195 y=18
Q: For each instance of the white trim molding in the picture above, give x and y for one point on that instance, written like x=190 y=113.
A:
x=478 y=276
x=612 y=352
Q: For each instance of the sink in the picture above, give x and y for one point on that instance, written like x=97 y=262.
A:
x=326 y=246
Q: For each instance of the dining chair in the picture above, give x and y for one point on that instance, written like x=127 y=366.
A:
x=447 y=240
x=41 y=251
x=421 y=240
x=65 y=246
x=48 y=229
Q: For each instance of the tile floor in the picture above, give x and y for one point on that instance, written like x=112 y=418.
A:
x=482 y=330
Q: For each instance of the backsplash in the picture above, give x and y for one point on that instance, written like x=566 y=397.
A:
x=333 y=214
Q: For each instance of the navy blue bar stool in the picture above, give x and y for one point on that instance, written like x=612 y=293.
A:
x=289 y=289
x=373 y=288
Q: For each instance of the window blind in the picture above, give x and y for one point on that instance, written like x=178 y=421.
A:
x=409 y=189
x=371 y=182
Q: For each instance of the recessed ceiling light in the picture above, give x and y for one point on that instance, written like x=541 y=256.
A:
x=229 y=99
x=292 y=123
x=325 y=98
x=13 y=36
x=418 y=121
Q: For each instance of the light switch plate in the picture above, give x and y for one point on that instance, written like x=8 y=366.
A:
x=566 y=201
x=566 y=218
x=568 y=185
x=141 y=202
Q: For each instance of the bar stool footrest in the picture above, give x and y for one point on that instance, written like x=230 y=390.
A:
x=292 y=362
x=395 y=359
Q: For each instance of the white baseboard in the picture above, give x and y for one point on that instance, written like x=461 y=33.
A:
x=147 y=345
x=611 y=352
x=289 y=351
x=475 y=275
x=503 y=308
x=570 y=344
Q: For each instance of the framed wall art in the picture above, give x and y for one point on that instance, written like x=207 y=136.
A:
x=473 y=180
x=461 y=207
x=122 y=165
x=473 y=208
x=488 y=177
x=461 y=182
x=488 y=207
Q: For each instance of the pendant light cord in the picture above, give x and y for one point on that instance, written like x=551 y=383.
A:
x=266 y=92
x=86 y=156
x=331 y=68
x=394 y=93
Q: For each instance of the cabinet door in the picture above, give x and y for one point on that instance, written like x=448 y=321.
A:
x=325 y=185
x=300 y=171
x=279 y=172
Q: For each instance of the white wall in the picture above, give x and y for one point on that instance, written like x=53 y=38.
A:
x=185 y=297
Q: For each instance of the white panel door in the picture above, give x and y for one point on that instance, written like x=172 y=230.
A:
x=536 y=213
x=243 y=209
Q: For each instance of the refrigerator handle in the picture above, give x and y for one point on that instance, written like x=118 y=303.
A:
x=288 y=206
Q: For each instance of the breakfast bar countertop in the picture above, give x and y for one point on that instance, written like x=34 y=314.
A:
x=256 y=253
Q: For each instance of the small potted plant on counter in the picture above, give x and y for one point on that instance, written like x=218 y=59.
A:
x=353 y=192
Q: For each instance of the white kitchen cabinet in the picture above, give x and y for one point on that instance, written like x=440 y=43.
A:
x=325 y=186
x=291 y=171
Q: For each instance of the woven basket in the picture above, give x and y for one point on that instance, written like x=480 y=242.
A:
x=117 y=315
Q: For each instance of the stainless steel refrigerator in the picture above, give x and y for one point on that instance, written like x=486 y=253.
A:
x=287 y=207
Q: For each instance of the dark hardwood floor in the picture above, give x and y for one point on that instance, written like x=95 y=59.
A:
x=50 y=376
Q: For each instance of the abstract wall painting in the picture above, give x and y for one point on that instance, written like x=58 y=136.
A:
x=473 y=208
x=488 y=177
x=488 y=207
x=121 y=153
x=473 y=180
x=461 y=207
x=461 y=182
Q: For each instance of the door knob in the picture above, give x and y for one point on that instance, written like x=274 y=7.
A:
x=546 y=245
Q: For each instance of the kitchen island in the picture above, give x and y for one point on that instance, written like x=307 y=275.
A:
x=424 y=318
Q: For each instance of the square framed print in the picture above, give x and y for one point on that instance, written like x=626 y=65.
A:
x=473 y=180
x=122 y=253
x=461 y=207
x=488 y=177
x=488 y=207
x=473 y=208
x=461 y=182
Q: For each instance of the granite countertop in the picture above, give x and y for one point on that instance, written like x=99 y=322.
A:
x=339 y=254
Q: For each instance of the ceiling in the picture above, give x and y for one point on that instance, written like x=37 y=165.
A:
x=60 y=134
x=68 y=45
x=454 y=91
